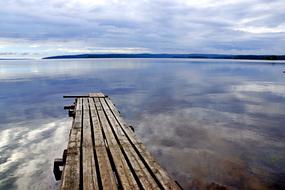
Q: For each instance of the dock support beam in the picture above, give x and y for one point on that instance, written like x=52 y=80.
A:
x=59 y=162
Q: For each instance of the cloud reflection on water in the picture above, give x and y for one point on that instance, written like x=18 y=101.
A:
x=26 y=70
x=203 y=144
x=205 y=121
x=27 y=153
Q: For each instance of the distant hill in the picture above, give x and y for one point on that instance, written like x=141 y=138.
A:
x=147 y=55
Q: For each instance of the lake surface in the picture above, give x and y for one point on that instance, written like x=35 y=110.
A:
x=205 y=121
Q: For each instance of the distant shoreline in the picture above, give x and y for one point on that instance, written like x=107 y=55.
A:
x=197 y=56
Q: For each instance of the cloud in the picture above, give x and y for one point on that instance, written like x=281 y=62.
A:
x=262 y=30
x=178 y=26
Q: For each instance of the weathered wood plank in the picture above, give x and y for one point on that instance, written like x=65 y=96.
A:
x=126 y=178
x=97 y=95
x=107 y=174
x=161 y=175
x=104 y=153
x=141 y=171
x=90 y=181
x=75 y=96
x=71 y=172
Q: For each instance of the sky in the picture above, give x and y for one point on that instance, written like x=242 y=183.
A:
x=39 y=28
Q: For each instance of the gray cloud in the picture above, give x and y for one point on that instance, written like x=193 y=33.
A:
x=206 y=26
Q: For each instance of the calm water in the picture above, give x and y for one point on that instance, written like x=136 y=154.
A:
x=205 y=121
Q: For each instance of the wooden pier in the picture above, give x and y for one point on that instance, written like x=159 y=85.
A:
x=104 y=153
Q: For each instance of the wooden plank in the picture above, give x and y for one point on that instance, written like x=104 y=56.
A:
x=91 y=95
x=75 y=96
x=126 y=178
x=89 y=168
x=71 y=171
x=161 y=175
x=97 y=95
x=141 y=171
x=106 y=172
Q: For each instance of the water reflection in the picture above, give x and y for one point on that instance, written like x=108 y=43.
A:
x=27 y=152
x=205 y=121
